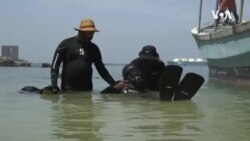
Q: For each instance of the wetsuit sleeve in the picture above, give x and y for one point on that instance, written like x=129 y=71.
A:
x=162 y=65
x=57 y=59
x=102 y=69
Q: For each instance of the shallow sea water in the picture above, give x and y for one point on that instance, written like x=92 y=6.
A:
x=218 y=112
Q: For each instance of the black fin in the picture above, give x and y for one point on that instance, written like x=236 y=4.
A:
x=169 y=81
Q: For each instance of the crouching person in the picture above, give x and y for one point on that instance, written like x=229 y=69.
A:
x=141 y=74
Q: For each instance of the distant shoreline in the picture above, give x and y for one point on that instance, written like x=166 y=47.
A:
x=48 y=65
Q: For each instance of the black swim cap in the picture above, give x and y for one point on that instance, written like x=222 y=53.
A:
x=149 y=52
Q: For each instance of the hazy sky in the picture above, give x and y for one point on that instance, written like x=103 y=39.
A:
x=38 y=26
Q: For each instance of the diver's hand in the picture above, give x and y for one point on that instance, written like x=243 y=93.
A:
x=55 y=90
x=120 y=85
x=51 y=90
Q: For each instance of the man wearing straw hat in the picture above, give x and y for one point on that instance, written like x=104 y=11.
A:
x=77 y=54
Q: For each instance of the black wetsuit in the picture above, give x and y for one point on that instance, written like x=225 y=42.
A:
x=77 y=58
x=149 y=70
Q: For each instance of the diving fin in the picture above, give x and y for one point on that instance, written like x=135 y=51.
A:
x=169 y=81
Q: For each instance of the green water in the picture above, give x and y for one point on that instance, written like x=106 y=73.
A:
x=219 y=112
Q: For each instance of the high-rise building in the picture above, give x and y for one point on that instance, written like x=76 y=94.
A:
x=10 y=51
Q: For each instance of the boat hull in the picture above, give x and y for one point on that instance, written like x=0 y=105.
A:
x=230 y=73
x=227 y=51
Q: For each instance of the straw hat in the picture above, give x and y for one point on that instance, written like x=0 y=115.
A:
x=87 y=25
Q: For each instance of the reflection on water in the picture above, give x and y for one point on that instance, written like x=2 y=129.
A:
x=226 y=109
x=117 y=117
x=73 y=116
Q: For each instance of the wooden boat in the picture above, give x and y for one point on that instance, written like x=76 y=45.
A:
x=226 y=48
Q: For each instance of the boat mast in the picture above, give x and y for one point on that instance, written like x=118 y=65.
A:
x=199 y=25
x=241 y=10
x=215 y=21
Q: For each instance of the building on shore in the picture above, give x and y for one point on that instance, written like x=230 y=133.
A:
x=10 y=51
x=10 y=57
